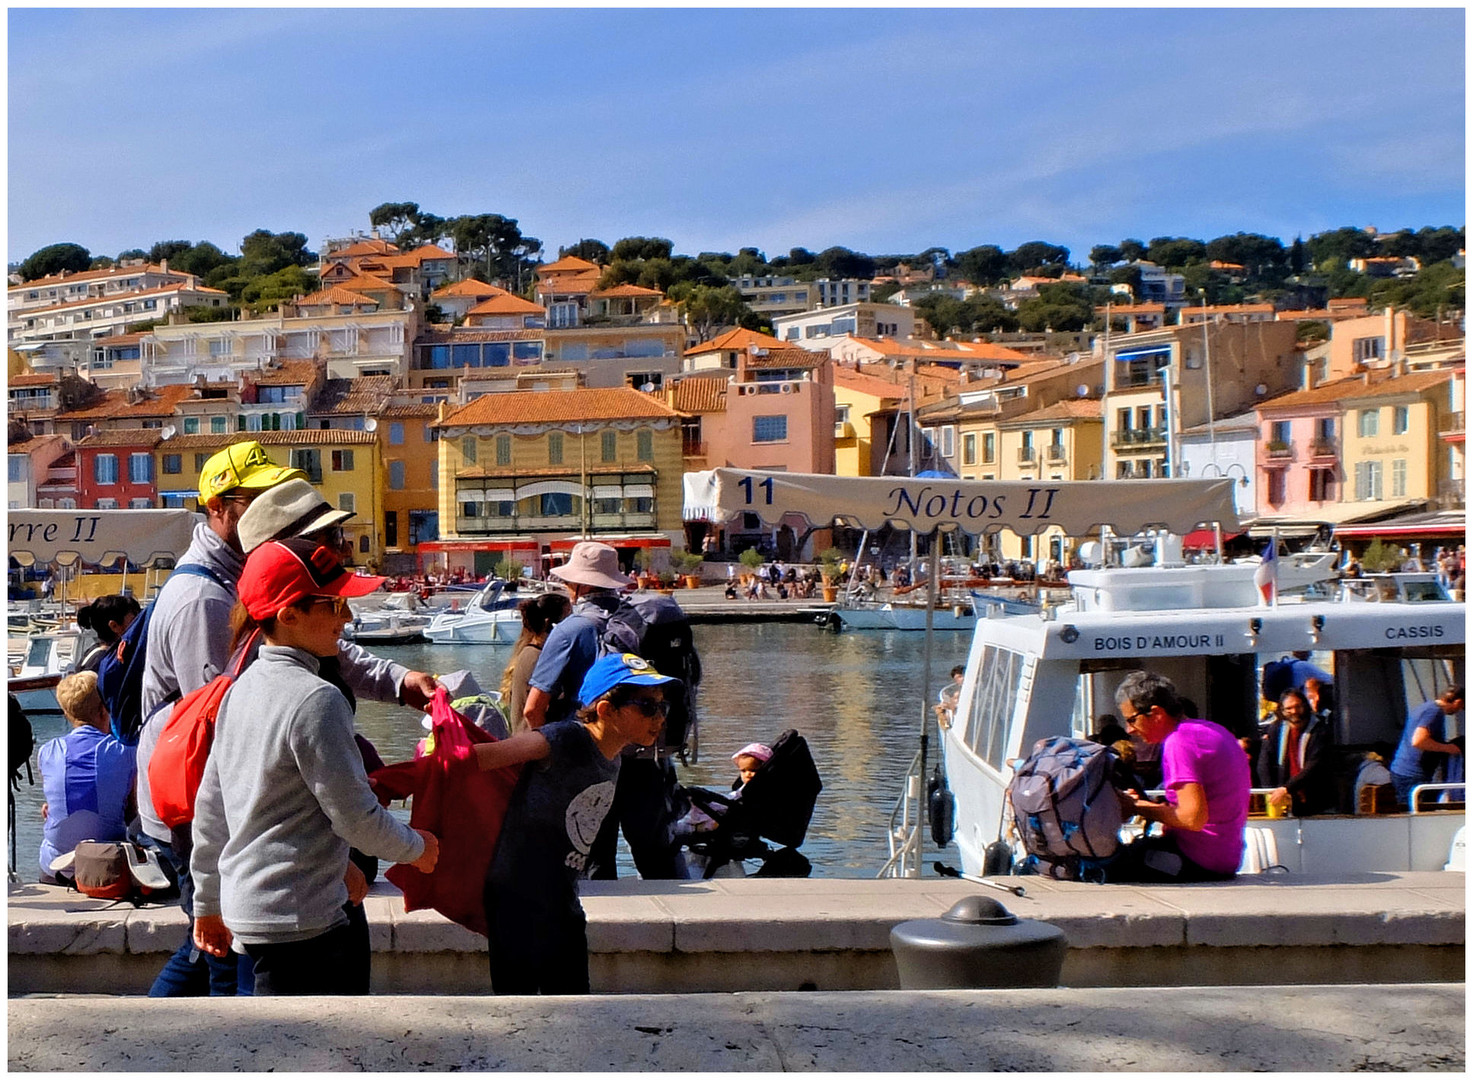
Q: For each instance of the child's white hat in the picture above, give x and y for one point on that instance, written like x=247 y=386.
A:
x=760 y=751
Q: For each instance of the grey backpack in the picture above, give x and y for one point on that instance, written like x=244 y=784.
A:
x=1065 y=807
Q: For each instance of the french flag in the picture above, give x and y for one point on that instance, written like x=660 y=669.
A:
x=1266 y=577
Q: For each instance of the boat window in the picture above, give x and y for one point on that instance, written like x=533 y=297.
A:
x=999 y=683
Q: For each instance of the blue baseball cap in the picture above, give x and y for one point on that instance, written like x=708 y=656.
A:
x=616 y=669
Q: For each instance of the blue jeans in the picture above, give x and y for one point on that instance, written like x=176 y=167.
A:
x=190 y=972
x=1404 y=785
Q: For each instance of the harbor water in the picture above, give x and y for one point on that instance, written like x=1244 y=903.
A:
x=857 y=697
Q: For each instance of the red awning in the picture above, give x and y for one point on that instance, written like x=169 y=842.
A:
x=613 y=541
x=477 y=545
x=1205 y=538
x=1450 y=528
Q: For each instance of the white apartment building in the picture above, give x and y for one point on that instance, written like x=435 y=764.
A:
x=777 y=295
x=813 y=329
x=132 y=276
x=108 y=314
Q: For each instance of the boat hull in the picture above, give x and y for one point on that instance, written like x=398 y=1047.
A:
x=470 y=630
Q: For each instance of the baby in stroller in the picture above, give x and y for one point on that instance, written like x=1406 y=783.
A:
x=773 y=798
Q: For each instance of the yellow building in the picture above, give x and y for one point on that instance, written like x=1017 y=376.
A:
x=860 y=400
x=1391 y=441
x=534 y=470
x=1061 y=441
x=344 y=466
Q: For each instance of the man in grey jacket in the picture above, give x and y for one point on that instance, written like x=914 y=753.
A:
x=189 y=644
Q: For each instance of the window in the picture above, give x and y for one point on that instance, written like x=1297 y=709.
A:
x=140 y=468
x=435 y=483
x=139 y=504
x=1367 y=480
x=555 y=448
x=1368 y=348
x=1401 y=419
x=609 y=446
x=1399 y=478
x=342 y=461
x=396 y=434
x=1279 y=432
x=1002 y=674
x=430 y=434
x=766 y=429
x=105 y=468
x=17 y=469
x=396 y=477
x=1321 y=485
x=644 y=445
x=310 y=462
x=199 y=462
x=217 y=425
x=503 y=449
x=107 y=504
x=468 y=449
x=191 y=425
x=391 y=528
x=948 y=441
x=1369 y=423
x=347 y=501
x=1325 y=428
x=969 y=448
x=641 y=379
x=423 y=525
x=1276 y=486
x=989 y=447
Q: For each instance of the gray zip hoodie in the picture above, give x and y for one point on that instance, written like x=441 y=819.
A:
x=283 y=797
x=189 y=644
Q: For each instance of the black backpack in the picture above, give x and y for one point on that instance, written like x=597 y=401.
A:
x=120 y=673
x=655 y=627
x=22 y=742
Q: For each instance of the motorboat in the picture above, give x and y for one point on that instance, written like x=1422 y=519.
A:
x=892 y=615
x=398 y=618
x=489 y=618
x=1052 y=673
x=38 y=661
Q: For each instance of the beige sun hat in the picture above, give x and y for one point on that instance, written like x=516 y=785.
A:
x=593 y=564
x=286 y=510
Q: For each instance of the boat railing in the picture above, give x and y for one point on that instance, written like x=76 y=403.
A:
x=904 y=827
x=1416 y=796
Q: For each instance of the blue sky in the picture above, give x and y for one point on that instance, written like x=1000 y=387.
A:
x=882 y=130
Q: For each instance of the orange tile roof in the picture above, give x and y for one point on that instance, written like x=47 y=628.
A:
x=369 y=283
x=890 y=348
x=625 y=290
x=306 y=437
x=792 y=357
x=1351 y=302
x=861 y=383
x=149 y=437
x=431 y=252
x=738 y=339
x=1226 y=309
x=93 y=275
x=507 y=304
x=558 y=407
x=48 y=378
x=468 y=287
x=362 y=396
x=697 y=394
x=290 y=373
x=1133 y=309
x=336 y=294
x=566 y=263
x=365 y=247
x=1354 y=388
x=117 y=340
x=161 y=401
x=1070 y=409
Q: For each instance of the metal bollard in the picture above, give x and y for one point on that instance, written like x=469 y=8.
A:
x=977 y=944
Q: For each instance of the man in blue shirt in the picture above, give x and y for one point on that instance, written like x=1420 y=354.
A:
x=1424 y=746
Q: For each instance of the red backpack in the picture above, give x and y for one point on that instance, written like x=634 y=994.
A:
x=178 y=762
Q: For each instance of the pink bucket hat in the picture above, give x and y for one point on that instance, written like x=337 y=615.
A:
x=593 y=564
x=760 y=751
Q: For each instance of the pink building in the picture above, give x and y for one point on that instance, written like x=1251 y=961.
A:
x=779 y=413
x=1299 y=451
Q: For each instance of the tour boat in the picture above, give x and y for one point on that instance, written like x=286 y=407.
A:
x=489 y=618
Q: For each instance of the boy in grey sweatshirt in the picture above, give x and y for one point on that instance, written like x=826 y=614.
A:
x=284 y=793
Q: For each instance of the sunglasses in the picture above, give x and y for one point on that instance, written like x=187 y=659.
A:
x=337 y=603
x=649 y=707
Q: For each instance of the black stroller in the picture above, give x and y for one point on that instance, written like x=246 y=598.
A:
x=776 y=804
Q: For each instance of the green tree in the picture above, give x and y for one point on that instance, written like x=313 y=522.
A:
x=427 y=229
x=1263 y=257
x=840 y=262
x=1132 y=250
x=395 y=218
x=266 y=293
x=168 y=249
x=1038 y=255
x=1175 y=252
x=53 y=259
x=634 y=248
x=1439 y=243
x=1104 y=256
x=201 y=259
x=708 y=308
x=1298 y=258
x=1127 y=275
x=1312 y=330
x=943 y=313
x=132 y=253
x=497 y=245
x=594 y=251
x=102 y=262
x=264 y=252
x=1335 y=248
x=984 y=265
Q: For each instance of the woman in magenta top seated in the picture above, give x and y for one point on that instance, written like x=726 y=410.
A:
x=1206 y=777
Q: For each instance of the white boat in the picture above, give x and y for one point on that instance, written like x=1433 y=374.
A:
x=861 y=615
x=489 y=618
x=39 y=660
x=1033 y=676
x=397 y=619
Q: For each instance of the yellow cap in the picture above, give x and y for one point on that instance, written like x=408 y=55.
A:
x=242 y=465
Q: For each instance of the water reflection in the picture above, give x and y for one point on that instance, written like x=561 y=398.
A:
x=856 y=697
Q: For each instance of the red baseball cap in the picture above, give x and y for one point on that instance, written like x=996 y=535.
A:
x=281 y=572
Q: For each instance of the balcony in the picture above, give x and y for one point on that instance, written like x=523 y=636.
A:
x=843 y=429
x=1137 y=438
x=1054 y=453
x=1452 y=494
x=1323 y=448
x=1277 y=453
x=1452 y=428
x=1027 y=455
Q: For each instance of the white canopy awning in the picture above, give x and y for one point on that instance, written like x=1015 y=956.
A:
x=973 y=506
x=99 y=536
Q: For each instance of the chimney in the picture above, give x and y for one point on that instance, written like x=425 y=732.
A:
x=164 y=266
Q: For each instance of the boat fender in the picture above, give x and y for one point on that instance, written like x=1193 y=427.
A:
x=833 y=622
x=997 y=859
x=941 y=808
